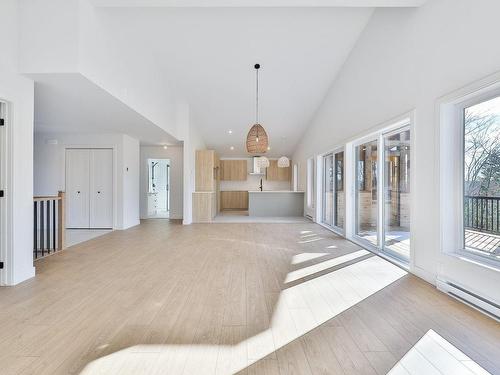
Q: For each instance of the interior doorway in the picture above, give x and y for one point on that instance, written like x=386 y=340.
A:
x=158 y=188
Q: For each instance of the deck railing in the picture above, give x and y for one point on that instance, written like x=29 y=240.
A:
x=482 y=213
x=48 y=225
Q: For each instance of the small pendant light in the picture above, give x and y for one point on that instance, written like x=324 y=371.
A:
x=283 y=162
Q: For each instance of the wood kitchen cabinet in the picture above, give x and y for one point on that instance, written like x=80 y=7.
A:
x=207 y=170
x=233 y=170
x=275 y=173
x=234 y=200
x=206 y=198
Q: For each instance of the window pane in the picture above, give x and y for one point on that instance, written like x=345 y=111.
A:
x=366 y=191
x=482 y=178
x=397 y=194
x=339 y=190
x=328 y=189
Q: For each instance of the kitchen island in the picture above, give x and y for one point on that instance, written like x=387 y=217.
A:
x=275 y=203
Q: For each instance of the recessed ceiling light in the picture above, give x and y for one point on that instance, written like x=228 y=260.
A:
x=232 y=147
x=230 y=131
x=165 y=147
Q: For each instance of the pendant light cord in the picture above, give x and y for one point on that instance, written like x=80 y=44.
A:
x=257 y=96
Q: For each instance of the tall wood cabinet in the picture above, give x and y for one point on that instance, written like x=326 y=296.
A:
x=206 y=198
x=207 y=169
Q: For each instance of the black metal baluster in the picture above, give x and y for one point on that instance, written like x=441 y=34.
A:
x=54 y=224
x=42 y=228
x=35 y=229
x=48 y=227
x=482 y=214
x=498 y=214
x=491 y=210
x=469 y=207
x=477 y=213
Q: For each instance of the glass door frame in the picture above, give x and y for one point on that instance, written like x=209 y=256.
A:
x=370 y=138
x=381 y=181
x=379 y=136
x=324 y=191
x=321 y=185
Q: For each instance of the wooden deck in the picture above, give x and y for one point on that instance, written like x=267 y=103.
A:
x=484 y=242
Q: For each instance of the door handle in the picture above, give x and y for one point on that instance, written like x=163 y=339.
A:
x=98 y=192
x=78 y=192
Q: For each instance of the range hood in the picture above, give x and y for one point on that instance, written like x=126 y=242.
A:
x=256 y=170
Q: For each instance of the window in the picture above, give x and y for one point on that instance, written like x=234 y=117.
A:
x=481 y=178
x=310 y=183
x=333 y=190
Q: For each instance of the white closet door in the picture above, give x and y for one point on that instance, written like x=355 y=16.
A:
x=101 y=188
x=77 y=188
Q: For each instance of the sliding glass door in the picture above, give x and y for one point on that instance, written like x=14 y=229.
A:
x=333 y=197
x=382 y=216
x=339 y=195
x=328 y=186
x=397 y=193
x=366 y=218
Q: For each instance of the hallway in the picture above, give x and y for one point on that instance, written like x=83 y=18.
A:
x=217 y=299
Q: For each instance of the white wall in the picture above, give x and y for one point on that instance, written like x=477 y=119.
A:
x=17 y=91
x=48 y=35
x=175 y=155
x=49 y=169
x=192 y=141
x=76 y=37
x=138 y=81
x=406 y=59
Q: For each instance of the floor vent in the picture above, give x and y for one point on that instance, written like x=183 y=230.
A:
x=309 y=217
x=487 y=307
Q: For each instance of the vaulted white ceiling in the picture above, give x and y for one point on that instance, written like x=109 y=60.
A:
x=259 y=3
x=203 y=52
x=209 y=53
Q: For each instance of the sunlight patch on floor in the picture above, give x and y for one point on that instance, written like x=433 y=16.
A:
x=433 y=355
x=299 y=309
x=304 y=257
x=311 y=270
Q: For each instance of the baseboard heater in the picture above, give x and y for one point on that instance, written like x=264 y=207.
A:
x=479 y=303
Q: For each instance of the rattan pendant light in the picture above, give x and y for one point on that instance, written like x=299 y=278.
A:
x=257 y=140
x=283 y=162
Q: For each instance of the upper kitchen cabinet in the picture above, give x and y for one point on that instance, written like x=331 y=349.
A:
x=233 y=170
x=207 y=166
x=275 y=173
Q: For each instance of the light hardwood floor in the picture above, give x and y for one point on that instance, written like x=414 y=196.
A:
x=163 y=298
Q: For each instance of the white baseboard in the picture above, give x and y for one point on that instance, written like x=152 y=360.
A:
x=479 y=303
x=424 y=274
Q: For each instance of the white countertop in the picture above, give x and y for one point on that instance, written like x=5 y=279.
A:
x=274 y=191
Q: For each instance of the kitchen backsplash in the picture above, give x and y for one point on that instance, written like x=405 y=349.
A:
x=253 y=182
